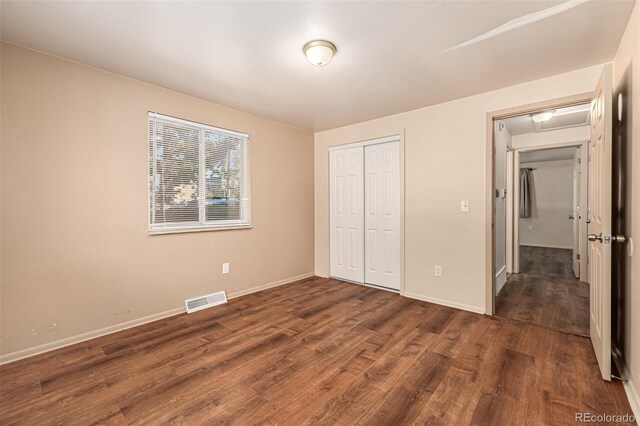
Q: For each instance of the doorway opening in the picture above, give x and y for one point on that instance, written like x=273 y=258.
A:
x=541 y=218
x=599 y=165
x=550 y=212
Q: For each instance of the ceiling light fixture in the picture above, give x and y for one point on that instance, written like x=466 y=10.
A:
x=319 y=52
x=539 y=117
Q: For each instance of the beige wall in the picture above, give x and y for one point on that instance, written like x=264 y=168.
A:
x=627 y=62
x=76 y=255
x=445 y=154
x=552 y=203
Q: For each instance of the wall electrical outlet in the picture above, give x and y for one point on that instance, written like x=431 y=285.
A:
x=225 y=268
x=437 y=271
x=464 y=206
x=530 y=228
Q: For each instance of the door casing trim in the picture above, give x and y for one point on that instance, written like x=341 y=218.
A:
x=490 y=178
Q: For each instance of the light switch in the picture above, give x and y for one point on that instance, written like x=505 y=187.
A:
x=225 y=268
x=464 y=206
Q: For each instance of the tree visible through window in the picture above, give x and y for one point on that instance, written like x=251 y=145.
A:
x=197 y=176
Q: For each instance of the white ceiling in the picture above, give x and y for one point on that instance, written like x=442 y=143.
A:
x=578 y=115
x=248 y=55
x=547 y=155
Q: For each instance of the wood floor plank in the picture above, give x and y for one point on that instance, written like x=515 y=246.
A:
x=411 y=390
x=318 y=351
x=546 y=292
x=453 y=402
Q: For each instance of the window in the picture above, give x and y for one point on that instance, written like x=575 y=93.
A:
x=198 y=176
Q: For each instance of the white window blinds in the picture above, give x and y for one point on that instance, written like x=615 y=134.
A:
x=198 y=176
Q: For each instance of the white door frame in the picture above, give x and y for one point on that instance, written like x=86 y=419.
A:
x=576 y=212
x=510 y=213
x=395 y=136
x=582 y=229
x=490 y=179
x=515 y=212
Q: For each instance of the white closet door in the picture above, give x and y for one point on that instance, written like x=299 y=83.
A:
x=382 y=214
x=346 y=214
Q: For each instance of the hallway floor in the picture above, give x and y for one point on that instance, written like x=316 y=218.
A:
x=546 y=293
x=553 y=262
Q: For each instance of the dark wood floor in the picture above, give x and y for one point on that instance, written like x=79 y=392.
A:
x=545 y=292
x=318 y=351
x=553 y=262
x=559 y=303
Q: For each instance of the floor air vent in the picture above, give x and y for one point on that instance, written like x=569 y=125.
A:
x=199 y=303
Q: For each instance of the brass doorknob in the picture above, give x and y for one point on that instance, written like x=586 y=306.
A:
x=594 y=237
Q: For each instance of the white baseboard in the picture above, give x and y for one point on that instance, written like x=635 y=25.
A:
x=501 y=279
x=444 y=302
x=78 y=338
x=269 y=285
x=68 y=341
x=634 y=398
x=547 y=246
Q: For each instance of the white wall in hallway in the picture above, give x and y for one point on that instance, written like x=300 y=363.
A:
x=552 y=203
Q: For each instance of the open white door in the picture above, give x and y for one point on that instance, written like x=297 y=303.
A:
x=600 y=223
x=346 y=219
x=575 y=214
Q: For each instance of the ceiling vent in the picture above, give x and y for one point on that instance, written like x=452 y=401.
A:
x=204 y=302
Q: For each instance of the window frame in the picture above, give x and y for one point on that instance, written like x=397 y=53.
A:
x=202 y=224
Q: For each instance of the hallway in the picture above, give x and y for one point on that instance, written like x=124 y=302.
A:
x=546 y=293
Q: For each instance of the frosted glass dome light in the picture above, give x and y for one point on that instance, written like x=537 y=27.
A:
x=542 y=116
x=319 y=52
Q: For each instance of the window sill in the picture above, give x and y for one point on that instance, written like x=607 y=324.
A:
x=198 y=229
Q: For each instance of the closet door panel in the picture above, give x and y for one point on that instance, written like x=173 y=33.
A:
x=382 y=214
x=346 y=216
